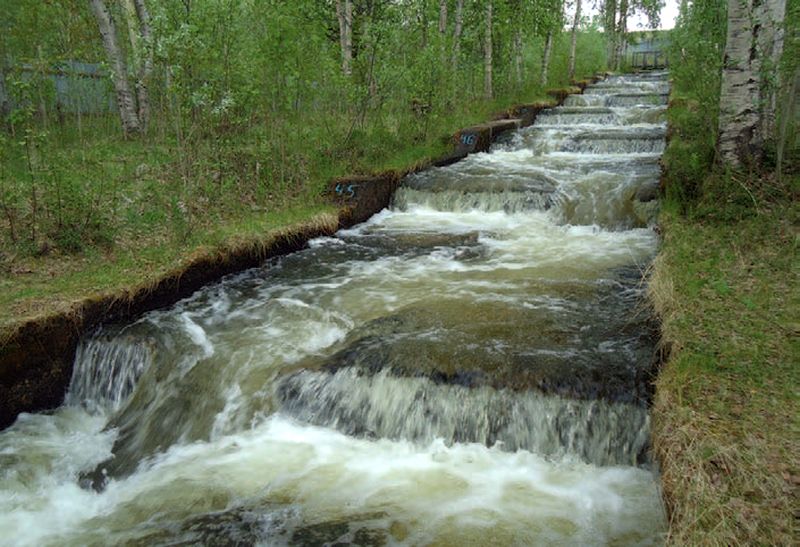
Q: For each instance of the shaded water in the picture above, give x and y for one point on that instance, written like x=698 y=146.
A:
x=469 y=367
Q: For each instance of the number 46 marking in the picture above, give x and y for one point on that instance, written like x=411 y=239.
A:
x=469 y=139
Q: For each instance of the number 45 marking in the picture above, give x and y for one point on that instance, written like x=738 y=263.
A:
x=348 y=191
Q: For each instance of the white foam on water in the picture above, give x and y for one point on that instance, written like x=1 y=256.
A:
x=40 y=459
x=440 y=494
x=198 y=335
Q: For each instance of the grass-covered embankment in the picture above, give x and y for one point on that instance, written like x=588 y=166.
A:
x=726 y=425
x=113 y=215
x=149 y=223
x=85 y=212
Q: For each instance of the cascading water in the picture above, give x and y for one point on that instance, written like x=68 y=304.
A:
x=471 y=366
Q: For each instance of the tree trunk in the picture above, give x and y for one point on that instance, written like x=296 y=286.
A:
x=770 y=44
x=575 y=24
x=622 y=29
x=146 y=64
x=442 y=16
x=344 y=12
x=132 y=21
x=609 y=29
x=518 y=56
x=459 y=25
x=487 y=53
x=370 y=40
x=348 y=36
x=747 y=111
x=787 y=115
x=125 y=101
x=548 y=49
x=342 y=29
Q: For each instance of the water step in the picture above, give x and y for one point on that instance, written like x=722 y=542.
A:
x=385 y=406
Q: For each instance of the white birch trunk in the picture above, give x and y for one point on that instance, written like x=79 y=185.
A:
x=622 y=29
x=132 y=21
x=119 y=70
x=771 y=13
x=348 y=36
x=609 y=29
x=787 y=115
x=146 y=66
x=548 y=50
x=487 y=54
x=344 y=13
x=575 y=24
x=738 y=116
x=459 y=25
x=518 y=56
x=442 y=16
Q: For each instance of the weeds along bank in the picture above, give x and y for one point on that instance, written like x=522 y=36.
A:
x=37 y=349
x=725 y=419
x=250 y=109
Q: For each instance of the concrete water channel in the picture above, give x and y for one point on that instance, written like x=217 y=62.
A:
x=470 y=366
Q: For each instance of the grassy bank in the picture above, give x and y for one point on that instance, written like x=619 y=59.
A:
x=101 y=215
x=726 y=424
x=54 y=283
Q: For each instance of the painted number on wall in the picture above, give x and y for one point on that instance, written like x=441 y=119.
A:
x=348 y=191
x=469 y=139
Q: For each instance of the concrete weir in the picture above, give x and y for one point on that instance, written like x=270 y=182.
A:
x=36 y=357
x=362 y=196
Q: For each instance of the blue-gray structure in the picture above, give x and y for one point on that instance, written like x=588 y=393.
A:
x=71 y=87
x=649 y=53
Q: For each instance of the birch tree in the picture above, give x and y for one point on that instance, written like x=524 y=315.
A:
x=487 y=53
x=119 y=69
x=620 y=34
x=610 y=30
x=746 y=109
x=518 y=9
x=344 y=13
x=140 y=36
x=458 y=28
x=575 y=24
x=770 y=45
x=442 y=16
x=551 y=17
x=548 y=50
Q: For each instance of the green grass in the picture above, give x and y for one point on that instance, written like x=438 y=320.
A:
x=52 y=284
x=726 y=418
x=113 y=214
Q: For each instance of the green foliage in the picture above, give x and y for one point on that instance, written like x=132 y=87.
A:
x=697 y=47
x=250 y=108
x=692 y=179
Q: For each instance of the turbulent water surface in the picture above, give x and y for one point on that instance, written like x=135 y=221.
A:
x=469 y=367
